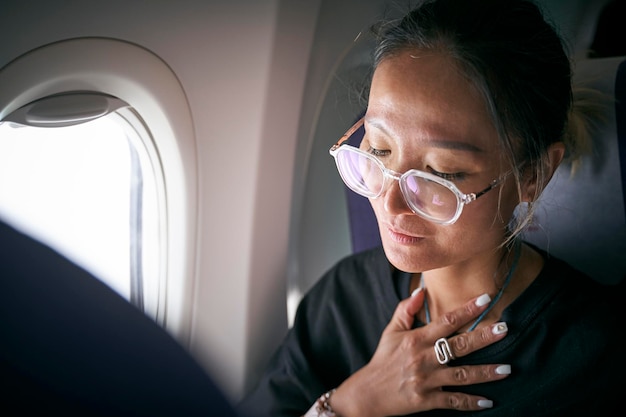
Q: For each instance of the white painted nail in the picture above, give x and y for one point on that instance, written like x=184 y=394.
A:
x=485 y=403
x=503 y=370
x=416 y=291
x=499 y=328
x=482 y=300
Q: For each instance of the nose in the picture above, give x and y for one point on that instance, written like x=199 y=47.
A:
x=393 y=199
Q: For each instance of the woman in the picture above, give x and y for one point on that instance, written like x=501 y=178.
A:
x=468 y=117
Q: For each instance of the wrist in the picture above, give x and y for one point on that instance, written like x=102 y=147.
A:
x=322 y=407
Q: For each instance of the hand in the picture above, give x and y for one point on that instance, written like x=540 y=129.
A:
x=404 y=376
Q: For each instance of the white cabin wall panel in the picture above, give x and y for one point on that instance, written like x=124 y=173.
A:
x=228 y=99
x=267 y=320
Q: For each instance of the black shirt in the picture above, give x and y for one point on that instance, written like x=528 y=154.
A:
x=562 y=343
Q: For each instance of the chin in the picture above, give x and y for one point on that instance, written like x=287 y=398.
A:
x=407 y=258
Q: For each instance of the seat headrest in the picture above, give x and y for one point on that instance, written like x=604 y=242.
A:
x=581 y=218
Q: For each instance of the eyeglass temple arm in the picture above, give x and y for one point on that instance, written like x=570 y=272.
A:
x=494 y=183
x=347 y=135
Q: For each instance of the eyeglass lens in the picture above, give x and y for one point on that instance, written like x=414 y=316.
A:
x=363 y=175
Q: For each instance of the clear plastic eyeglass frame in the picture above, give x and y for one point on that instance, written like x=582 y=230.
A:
x=389 y=175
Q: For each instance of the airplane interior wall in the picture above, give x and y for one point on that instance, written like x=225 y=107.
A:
x=269 y=85
x=241 y=66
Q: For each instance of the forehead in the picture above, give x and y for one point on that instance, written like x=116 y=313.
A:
x=427 y=97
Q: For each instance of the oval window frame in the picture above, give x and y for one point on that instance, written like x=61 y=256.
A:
x=144 y=81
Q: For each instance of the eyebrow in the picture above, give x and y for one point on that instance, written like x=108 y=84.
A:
x=438 y=143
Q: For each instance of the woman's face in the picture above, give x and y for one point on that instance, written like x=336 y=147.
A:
x=424 y=114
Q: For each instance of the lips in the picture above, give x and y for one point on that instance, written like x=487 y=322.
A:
x=403 y=237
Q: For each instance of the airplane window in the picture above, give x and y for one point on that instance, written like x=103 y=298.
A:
x=94 y=192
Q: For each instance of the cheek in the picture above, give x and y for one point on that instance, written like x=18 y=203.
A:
x=439 y=245
x=509 y=200
x=492 y=215
x=481 y=227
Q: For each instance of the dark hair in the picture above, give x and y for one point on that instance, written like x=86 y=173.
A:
x=513 y=56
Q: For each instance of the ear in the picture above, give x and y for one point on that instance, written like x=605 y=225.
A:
x=552 y=160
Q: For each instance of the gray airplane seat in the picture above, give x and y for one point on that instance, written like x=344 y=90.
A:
x=580 y=218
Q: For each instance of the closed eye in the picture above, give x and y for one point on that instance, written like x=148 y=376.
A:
x=456 y=176
x=377 y=152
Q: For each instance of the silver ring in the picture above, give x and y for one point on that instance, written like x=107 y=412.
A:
x=443 y=351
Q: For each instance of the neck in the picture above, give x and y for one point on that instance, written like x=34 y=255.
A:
x=449 y=288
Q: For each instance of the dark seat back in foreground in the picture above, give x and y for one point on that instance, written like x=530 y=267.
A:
x=71 y=346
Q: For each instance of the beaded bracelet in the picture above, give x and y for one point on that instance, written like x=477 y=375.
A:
x=322 y=407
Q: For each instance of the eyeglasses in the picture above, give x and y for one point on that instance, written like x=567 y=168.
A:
x=427 y=195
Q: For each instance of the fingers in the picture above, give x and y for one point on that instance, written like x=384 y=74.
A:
x=461 y=376
x=469 y=374
x=458 y=401
x=452 y=321
x=466 y=343
x=407 y=358
x=405 y=313
x=461 y=345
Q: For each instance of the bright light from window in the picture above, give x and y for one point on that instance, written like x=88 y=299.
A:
x=70 y=187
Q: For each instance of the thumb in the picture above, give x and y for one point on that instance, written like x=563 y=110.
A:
x=404 y=316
